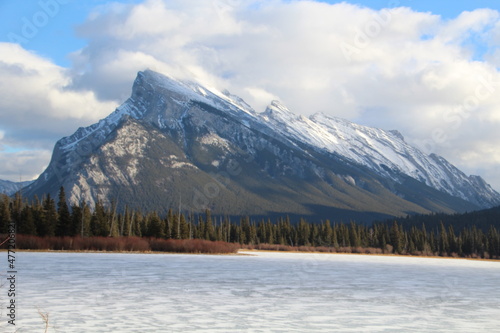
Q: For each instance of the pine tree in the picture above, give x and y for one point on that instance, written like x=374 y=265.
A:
x=5 y=216
x=444 y=247
x=175 y=229
x=99 y=223
x=493 y=242
x=327 y=233
x=26 y=225
x=209 y=227
x=169 y=224
x=303 y=233
x=244 y=230
x=396 y=238
x=183 y=227
x=354 y=235
x=64 y=222
x=16 y=209
x=47 y=221
x=76 y=220
x=155 y=227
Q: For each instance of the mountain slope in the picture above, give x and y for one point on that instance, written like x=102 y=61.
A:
x=177 y=143
x=385 y=152
x=9 y=188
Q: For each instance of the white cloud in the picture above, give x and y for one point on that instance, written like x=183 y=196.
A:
x=393 y=68
x=37 y=108
x=23 y=165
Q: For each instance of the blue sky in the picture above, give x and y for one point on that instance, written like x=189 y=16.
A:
x=55 y=39
x=430 y=71
x=58 y=38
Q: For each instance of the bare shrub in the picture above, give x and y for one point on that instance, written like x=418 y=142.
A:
x=325 y=249
x=345 y=249
x=192 y=246
x=136 y=244
x=28 y=242
x=60 y=243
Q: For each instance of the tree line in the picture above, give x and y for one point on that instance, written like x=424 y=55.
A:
x=47 y=218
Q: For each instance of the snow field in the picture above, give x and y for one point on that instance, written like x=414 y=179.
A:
x=256 y=292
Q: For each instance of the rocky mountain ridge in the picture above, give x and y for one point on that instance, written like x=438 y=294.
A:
x=179 y=143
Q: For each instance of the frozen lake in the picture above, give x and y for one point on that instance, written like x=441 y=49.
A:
x=267 y=292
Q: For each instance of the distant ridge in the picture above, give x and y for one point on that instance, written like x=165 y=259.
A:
x=9 y=188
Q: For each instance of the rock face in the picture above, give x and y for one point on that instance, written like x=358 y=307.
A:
x=178 y=143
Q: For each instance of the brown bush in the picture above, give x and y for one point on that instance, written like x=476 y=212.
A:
x=388 y=249
x=136 y=244
x=60 y=243
x=345 y=249
x=192 y=246
x=374 y=250
x=275 y=247
x=325 y=249
x=27 y=242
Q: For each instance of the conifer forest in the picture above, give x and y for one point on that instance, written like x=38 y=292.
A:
x=55 y=220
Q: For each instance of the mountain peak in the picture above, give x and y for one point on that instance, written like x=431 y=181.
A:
x=148 y=82
x=277 y=111
x=172 y=136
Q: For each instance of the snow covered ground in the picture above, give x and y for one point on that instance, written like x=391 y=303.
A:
x=263 y=292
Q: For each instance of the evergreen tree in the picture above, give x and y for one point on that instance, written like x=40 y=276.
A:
x=444 y=248
x=47 y=221
x=396 y=238
x=169 y=224
x=327 y=233
x=64 y=222
x=354 y=235
x=26 y=225
x=209 y=227
x=183 y=227
x=16 y=209
x=155 y=227
x=5 y=216
x=303 y=233
x=76 y=221
x=176 y=227
x=99 y=223
x=114 y=218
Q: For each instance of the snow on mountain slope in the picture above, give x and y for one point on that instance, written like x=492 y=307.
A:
x=208 y=128
x=385 y=152
x=181 y=92
x=8 y=187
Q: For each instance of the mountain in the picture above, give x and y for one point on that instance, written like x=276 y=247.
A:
x=177 y=143
x=9 y=188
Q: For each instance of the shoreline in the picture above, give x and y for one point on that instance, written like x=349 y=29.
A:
x=374 y=254
x=238 y=253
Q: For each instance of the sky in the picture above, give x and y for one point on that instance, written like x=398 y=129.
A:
x=429 y=69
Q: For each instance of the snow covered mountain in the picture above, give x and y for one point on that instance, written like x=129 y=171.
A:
x=176 y=142
x=9 y=188
x=384 y=152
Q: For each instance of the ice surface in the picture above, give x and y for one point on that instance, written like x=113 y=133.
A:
x=267 y=292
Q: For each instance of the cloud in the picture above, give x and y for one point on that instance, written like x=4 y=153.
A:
x=37 y=108
x=392 y=68
x=23 y=165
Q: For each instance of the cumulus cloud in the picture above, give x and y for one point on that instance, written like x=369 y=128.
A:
x=392 y=68
x=37 y=108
